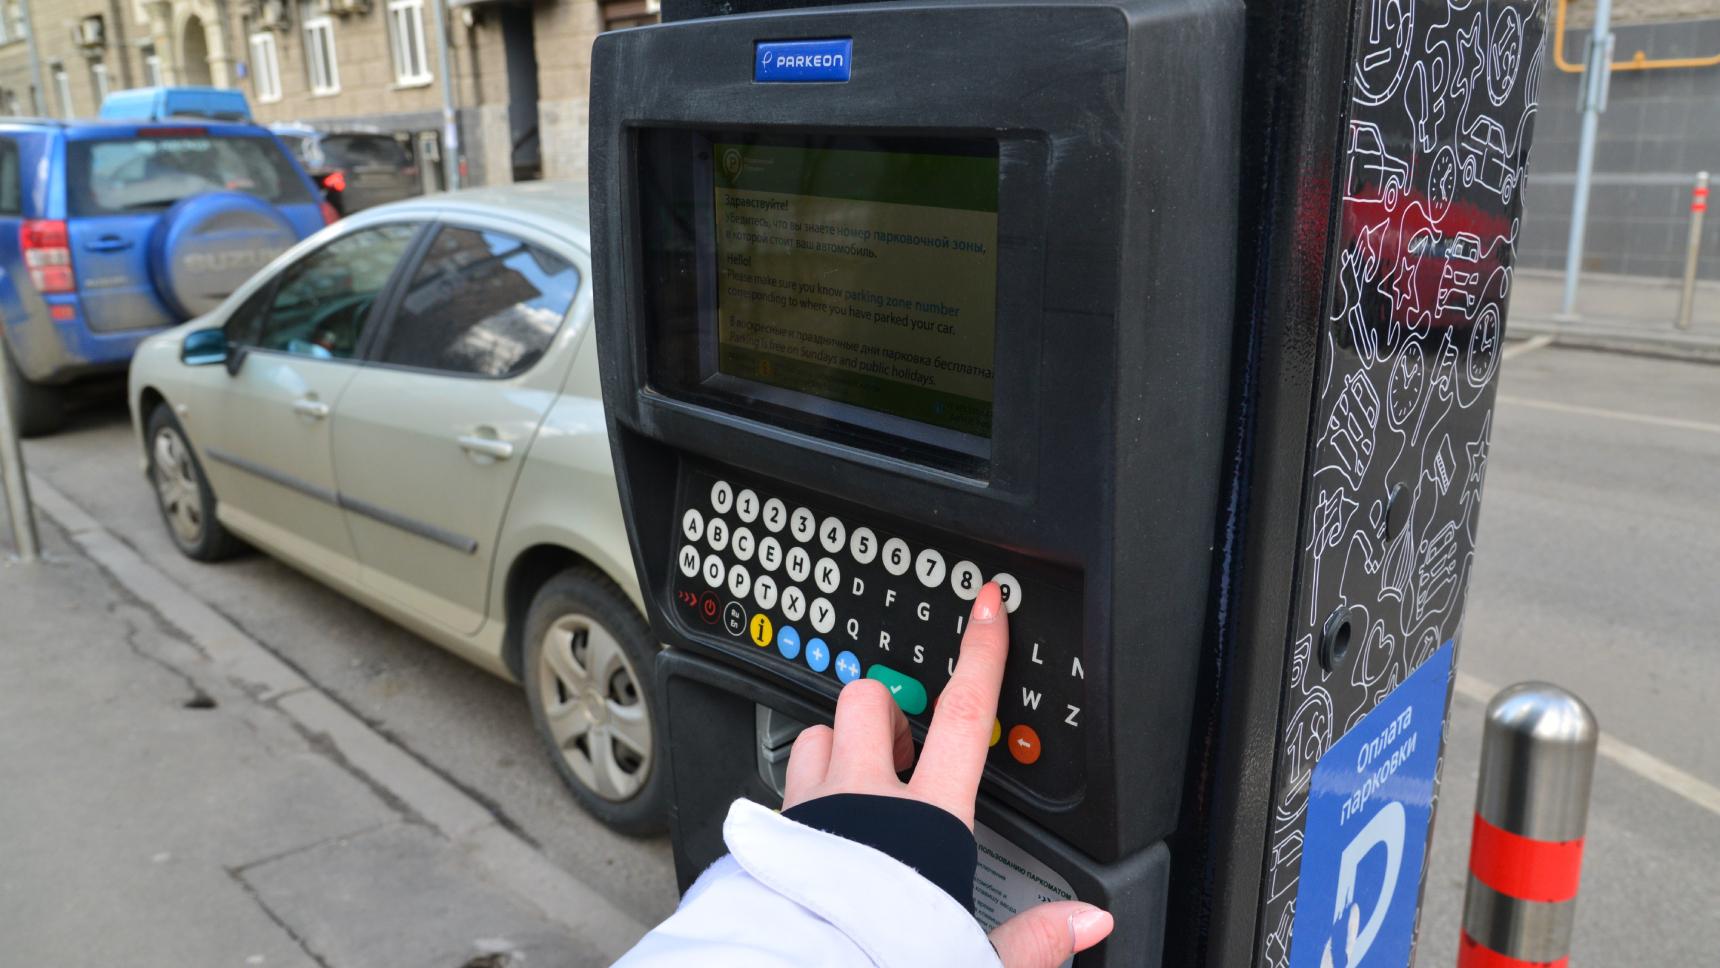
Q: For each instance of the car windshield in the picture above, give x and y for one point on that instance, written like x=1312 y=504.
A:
x=149 y=174
x=348 y=151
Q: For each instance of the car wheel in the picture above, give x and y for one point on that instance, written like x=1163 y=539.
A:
x=588 y=660
x=38 y=409
x=182 y=492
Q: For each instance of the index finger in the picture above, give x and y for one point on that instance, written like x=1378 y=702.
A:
x=956 y=745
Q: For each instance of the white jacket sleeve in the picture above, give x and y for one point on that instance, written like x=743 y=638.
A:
x=789 y=895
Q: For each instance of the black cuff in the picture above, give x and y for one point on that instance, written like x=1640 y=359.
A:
x=926 y=838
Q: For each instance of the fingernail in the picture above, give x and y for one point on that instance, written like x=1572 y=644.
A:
x=987 y=603
x=1088 y=928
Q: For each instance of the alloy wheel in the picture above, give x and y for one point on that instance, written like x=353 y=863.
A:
x=594 y=707
x=177 y=485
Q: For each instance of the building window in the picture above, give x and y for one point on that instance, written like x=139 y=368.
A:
x=151 y=66
x=265 y=68
x=99 y=80
x=319 y=52
x=63 y=88
x=406 y=25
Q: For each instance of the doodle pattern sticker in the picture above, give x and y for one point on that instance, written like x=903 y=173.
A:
x=1441 y=112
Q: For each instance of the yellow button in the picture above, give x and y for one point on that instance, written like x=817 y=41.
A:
x=996 y=731
x=761 y=631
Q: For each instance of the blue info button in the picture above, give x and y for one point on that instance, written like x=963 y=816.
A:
x=803 y=60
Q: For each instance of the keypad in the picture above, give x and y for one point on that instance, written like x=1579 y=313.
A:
x=803 y=588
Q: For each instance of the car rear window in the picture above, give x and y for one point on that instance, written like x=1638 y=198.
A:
x=150 y=174
x=346 y=151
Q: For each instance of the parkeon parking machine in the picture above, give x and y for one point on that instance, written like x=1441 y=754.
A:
x=1179 y=319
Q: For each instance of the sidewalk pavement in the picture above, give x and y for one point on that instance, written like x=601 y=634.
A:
x=175 y=795
x=1630 y=313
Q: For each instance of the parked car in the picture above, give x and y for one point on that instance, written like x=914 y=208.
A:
x=356 y=169
x=110 y=232
x=406 y=407
x=161 y=103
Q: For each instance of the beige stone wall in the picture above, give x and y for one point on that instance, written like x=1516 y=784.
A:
x=1581 y=13
x=54 y=21
x=365 y=66
x=564 y=33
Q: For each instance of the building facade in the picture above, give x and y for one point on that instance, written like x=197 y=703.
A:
x=1661 y=126
x=517 y=70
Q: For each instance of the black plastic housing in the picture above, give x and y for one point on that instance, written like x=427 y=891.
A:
x=1112 y=385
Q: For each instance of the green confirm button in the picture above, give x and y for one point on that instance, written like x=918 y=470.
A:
x=910 y=695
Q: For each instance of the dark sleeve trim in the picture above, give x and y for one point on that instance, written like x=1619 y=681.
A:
x=928 y=839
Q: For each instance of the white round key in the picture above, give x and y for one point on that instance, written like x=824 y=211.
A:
x=689 y=560
x=764 y=591
x=823 y=615
x=746 y=505
x=793 y=604
x=775 y=515
x=863 y=545
x=714 y=571
x=739 y=581
x=897 y=557
x=717 y=533
x=828 y=576
x=799 y=564
x=965 y=579
x=803 y=525
x=769 y=554
x=832 y=534
x=722 y=497
x=929 y=566
x=1010 y=590
x=693 y=524
x=743 y=543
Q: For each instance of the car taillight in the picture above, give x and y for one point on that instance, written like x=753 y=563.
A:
x=330 y=216
x=48 y=255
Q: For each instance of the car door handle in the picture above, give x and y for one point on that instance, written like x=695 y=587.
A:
x=314 y=409
x=108 y=243
x=489 y=447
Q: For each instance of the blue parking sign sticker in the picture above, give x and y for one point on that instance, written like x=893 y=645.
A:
x=1369 y=805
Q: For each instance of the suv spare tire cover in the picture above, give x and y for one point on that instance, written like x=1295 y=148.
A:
x=207 y=245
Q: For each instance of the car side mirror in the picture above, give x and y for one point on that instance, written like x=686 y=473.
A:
x=203 y=347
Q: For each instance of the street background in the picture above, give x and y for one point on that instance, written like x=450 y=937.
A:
x=1598 y=558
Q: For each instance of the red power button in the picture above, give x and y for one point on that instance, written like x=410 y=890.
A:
x=1024 y=744
x=710 y=608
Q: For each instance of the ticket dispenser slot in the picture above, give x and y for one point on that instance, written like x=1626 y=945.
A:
x=871 y=341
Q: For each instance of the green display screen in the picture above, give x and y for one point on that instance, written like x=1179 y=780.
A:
x=866 y=278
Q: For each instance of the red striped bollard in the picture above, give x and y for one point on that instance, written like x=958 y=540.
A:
x=1693 y=252
x=1526 y=854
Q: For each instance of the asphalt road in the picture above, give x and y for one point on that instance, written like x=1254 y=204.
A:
x=1598 y=568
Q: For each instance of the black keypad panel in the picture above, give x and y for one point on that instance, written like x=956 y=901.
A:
x=824 y=598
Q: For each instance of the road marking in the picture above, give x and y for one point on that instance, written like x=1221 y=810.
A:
x=1641 y=762
x=505 y=859
x=1612 y=414
x=1527 y=346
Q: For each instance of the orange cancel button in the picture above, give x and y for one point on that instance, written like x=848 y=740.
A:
x=1024 y=744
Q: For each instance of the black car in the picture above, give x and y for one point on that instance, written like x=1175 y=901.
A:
x=356 y=169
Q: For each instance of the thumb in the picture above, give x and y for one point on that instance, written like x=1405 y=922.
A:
x=1046 y=936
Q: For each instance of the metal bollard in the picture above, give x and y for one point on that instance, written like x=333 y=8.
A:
x=12 y=469
x=1698 y=205
x=1526 y=854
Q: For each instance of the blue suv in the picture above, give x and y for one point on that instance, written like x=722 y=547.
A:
x=113 y=231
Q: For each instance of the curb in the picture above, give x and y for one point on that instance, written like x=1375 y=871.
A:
x=1621 y=338
x=503 y=857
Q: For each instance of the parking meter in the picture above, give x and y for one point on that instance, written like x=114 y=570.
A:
x=1156 y=314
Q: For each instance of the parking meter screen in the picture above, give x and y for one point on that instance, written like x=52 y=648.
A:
x=864 y=278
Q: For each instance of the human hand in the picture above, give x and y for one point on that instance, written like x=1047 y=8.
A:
x=871 y=743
